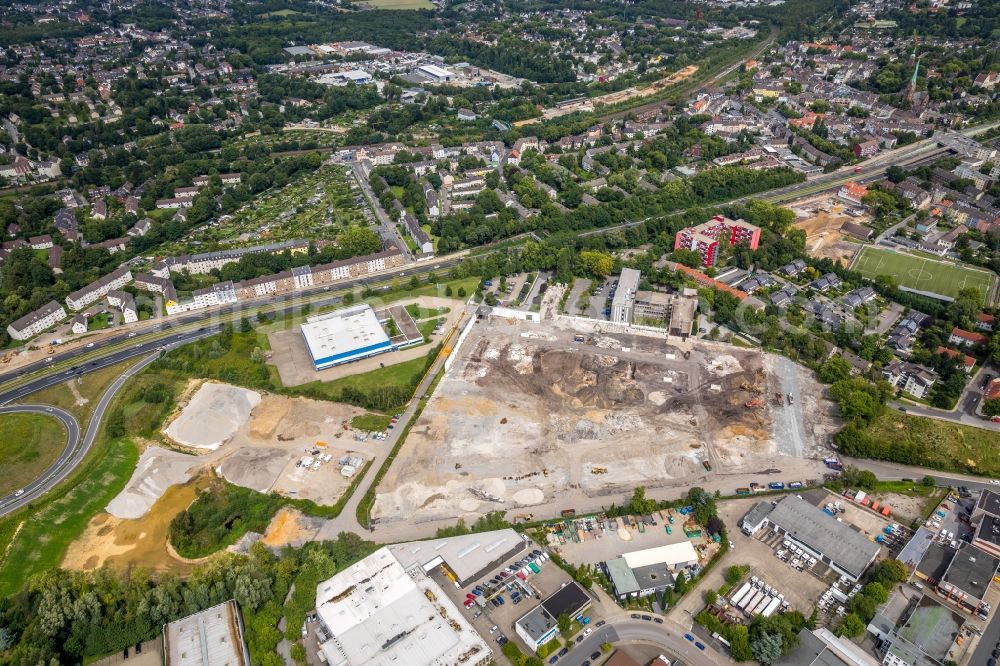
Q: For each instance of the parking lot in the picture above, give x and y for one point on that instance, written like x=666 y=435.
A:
x=601 y=300
x=495 y=620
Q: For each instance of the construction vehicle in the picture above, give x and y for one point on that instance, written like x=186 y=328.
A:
x=598 y=470
x=707 y=465
x=485 y=496
x=7 y=357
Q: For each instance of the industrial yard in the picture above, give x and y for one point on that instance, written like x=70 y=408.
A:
x=527 y=417
x=292 y=446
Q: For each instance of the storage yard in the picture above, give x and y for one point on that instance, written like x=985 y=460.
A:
x=292 y=446
x=526 y=417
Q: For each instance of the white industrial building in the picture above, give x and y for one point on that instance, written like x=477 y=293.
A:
x=846 y=550
x=376 y=613
x=644 y=572
x=469 y=556
x=435 y=73
x=624 y=301
x=345 y=335
x=212 y=636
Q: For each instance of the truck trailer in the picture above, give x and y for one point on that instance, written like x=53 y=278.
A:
x=740 y=594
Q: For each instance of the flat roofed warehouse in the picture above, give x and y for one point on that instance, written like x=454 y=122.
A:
x=470 y=556
x=836 y=543
x=213 y=637
x=379 y=614
x=344 y=335
x=540 y=624
x=969 y=575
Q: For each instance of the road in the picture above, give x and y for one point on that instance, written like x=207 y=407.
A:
x=76 y=448
x=388 y=231
x=667 y=637
x=72 y=440
x=965 y=407
x=159 y=332
x=347 y=520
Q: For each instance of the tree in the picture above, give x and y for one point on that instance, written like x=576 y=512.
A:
x=461 y=292
x=597 y=264
x=739 y=643
x=992 y=407
x=766 y=648
x=851 y=626
x=835 y=369
x=889 y=572
x=638 y=504
x=689 y=258
x=565 y=623
x=896 y=174
x=710 y=596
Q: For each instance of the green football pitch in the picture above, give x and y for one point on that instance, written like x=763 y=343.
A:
x=923 y=274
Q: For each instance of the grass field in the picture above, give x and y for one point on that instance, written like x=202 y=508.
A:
x=48 y=529
x=922 y=274
x=941 y=444
x=29 y=443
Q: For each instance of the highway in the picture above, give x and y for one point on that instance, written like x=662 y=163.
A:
x=76 y=448
x=160 y=332
x=72 y=440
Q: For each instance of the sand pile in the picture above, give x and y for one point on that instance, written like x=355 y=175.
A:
x=214 y=414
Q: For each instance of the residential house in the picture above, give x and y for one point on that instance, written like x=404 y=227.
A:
x=965 y=338
x=859 y=297
x=125 y=302
x=911 y=378
x=968 y=362
x=35 y=322
x=98 y=288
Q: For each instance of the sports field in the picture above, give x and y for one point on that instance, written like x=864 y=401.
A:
x=922 y=274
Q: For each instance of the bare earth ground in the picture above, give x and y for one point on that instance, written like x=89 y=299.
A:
x=261 y=454
x=525 y=415
x=823 y=235
x=125 y=543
